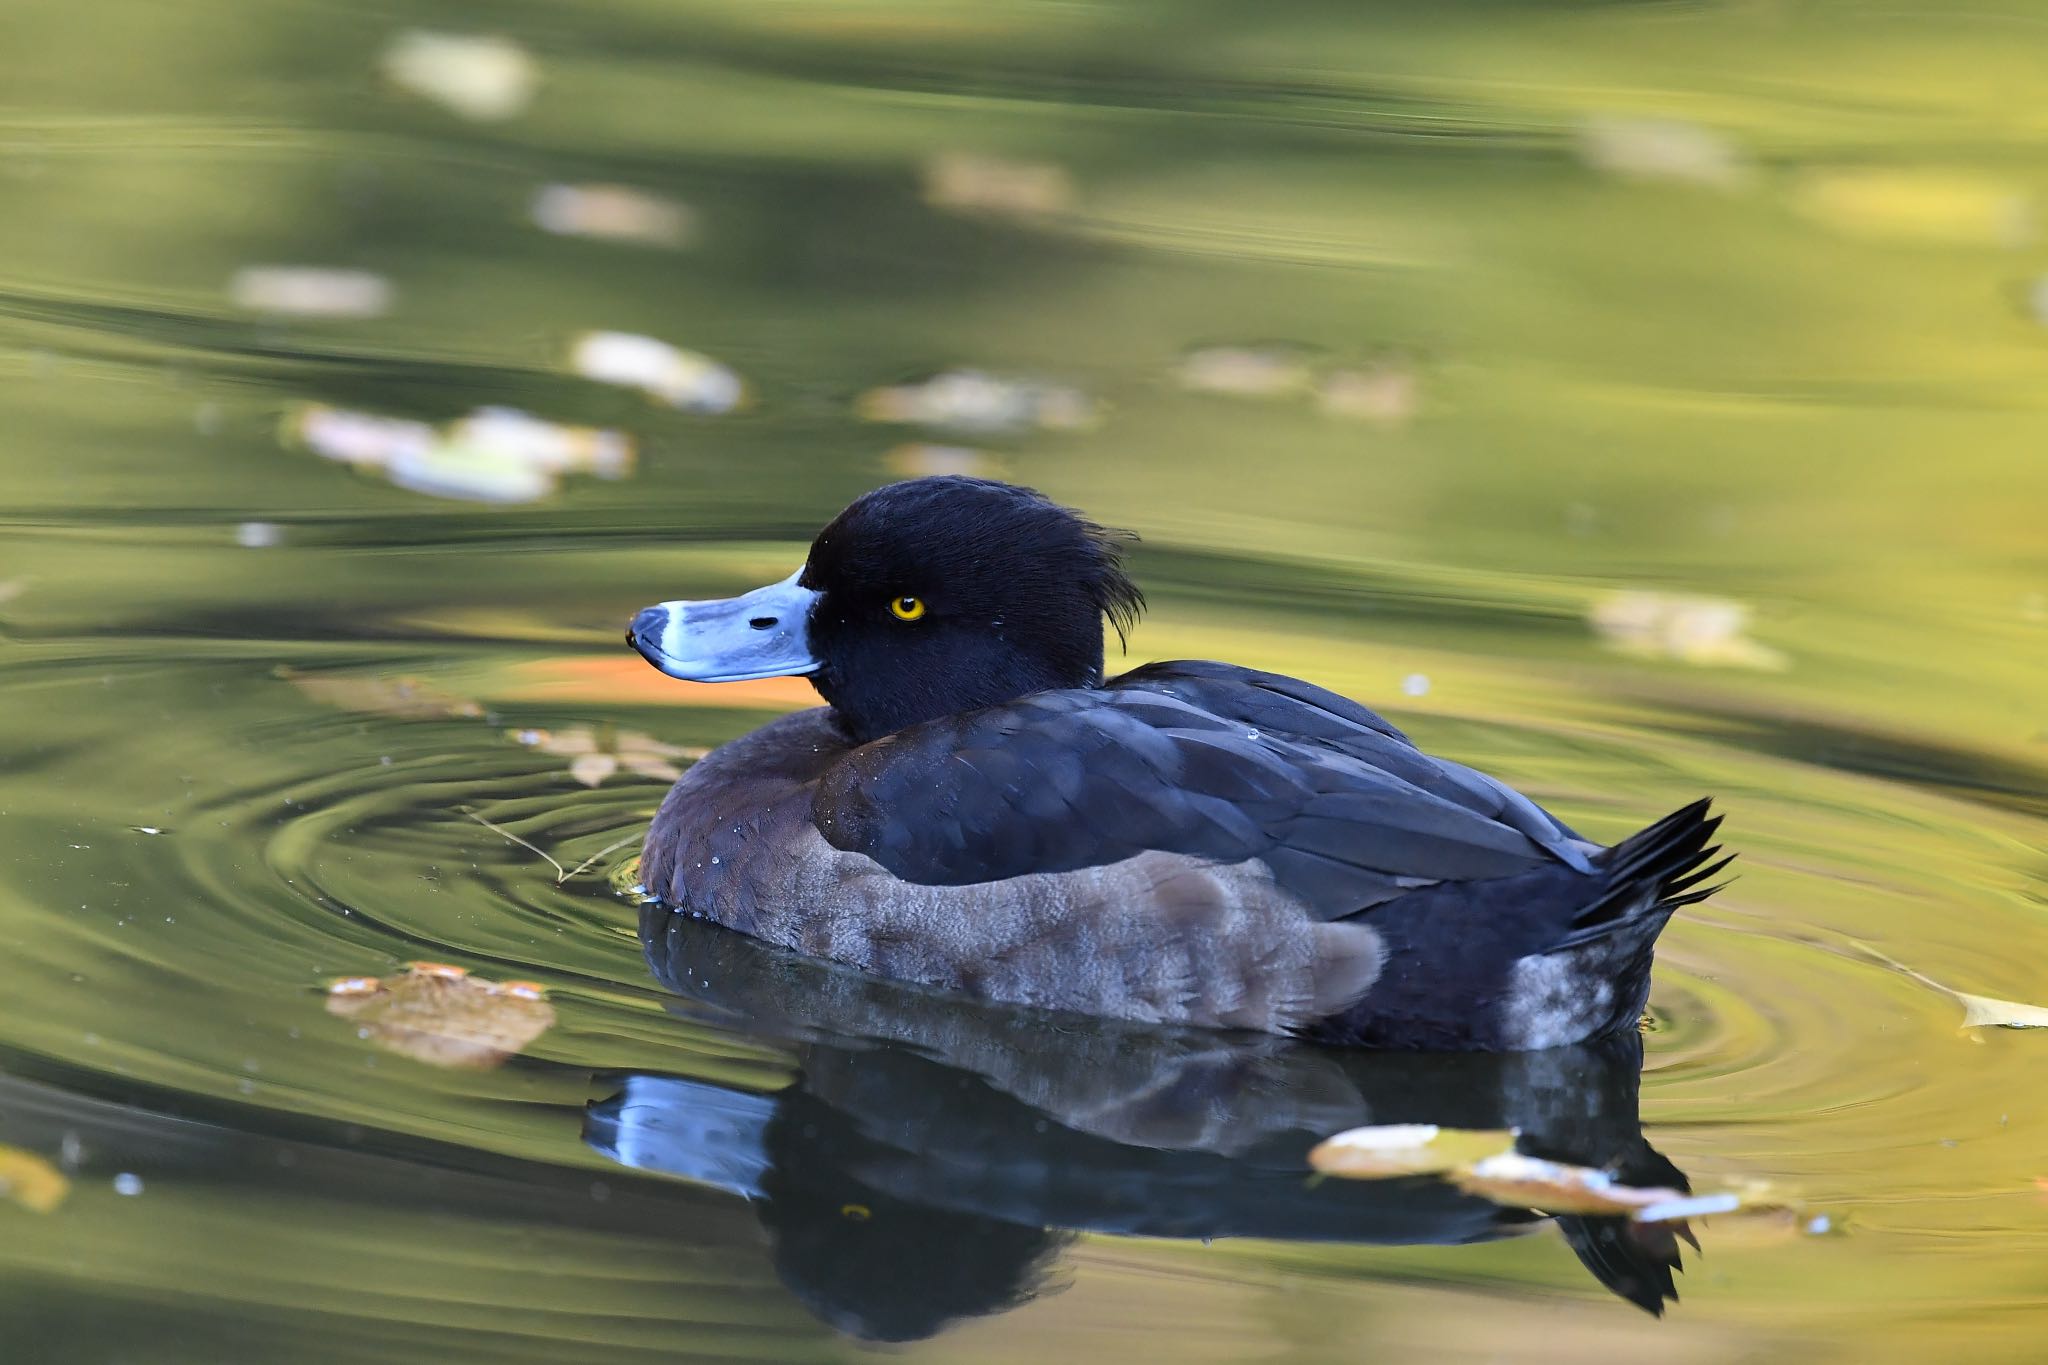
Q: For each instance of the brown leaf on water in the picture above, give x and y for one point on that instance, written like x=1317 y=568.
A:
x=443 y=1016
x=1518 y=1181
x=1387 y=1150
x=405 y=698
x=30 y=1181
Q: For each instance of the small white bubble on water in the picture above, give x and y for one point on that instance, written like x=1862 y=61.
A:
x=128 y=1183
x=1416 y=684
x=259 y=535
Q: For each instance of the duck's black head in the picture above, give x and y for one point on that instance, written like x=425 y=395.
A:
x=922 y=599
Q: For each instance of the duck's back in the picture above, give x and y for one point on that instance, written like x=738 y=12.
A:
x=1193 y=843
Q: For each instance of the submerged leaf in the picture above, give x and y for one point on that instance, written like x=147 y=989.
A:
x=405 y=698
x=30 y=1181
x=1406 y=1149
x=443 y=1016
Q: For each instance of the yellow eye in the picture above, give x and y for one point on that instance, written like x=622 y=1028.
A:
x=907 y=608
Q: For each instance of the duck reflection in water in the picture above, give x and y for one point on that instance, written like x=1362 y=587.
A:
x=934 y=1155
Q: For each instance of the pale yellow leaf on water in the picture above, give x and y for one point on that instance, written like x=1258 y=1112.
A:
x=479 y=76
x=1932 y=207
x=1386 y=1150
x=443 y=1016
x=1979 y=1011
x=1518 y=1181
x=669 y=374
x=595 y=753
x=591 y=769
x=615 y=213
x=30 y=1181
x=1246 y=371
x=1700 y=630
x=494 y=454
x=964 y=182
x=1661 y=149
x=971 y=400
x=1386 y=393
x=310 y=291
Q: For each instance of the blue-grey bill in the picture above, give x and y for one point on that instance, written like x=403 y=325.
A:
x=761 y=634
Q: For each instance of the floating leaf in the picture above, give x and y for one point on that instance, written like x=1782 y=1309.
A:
x=1386 y=392
x=591 y=769
x=1979 y=1011
x=495 y=454
x=443 y=1016
x=484 y=78
x=1519 y=1181
x=596 y=753
x=552 y=446
x=1661 y=149
x=310 y=291
x=30 y=1181
x=405 y=698
x=1406 y=1149
x=969 y=400
x=680 y=378
x=1246 y=371
x=1695 y=630
x=611 y=212
x=964 y=182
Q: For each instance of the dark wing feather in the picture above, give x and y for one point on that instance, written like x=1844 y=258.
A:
x=1318 y=717
x=1198 y=759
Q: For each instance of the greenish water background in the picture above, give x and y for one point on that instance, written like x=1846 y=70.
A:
x=1811 y=384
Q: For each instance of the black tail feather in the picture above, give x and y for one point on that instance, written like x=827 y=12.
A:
x=1668 y=861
